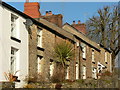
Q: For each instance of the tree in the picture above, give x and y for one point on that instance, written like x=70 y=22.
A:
x=64 y=52
x=103 y=28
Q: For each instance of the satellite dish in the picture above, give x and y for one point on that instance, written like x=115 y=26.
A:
x=29 y=22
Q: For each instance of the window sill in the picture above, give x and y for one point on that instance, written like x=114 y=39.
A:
x=15 y=39
x=39 y=48
x=40 y=56
x=84 y=58
x=106 y=62
x=93 y=62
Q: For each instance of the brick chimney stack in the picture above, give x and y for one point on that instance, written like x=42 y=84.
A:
x=32 y=9
x=47 y=13
x=79 y=22
x=27 y=0
x=56 y=19
x=50 y=13
x=80 y=26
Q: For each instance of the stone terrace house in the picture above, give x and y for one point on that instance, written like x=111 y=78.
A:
x=38 y=36
x=90 y=58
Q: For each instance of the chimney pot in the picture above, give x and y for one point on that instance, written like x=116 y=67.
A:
x=79 y=22
x=27 y=0
x=47 y=13
x=50 y=12
x=73 y=22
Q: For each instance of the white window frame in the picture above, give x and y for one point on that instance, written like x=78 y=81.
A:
x=94 y=72
x=67 y=73
x=83 y=72
x=14 y=26
x=51 y=68
x=77 y=71
x=106 y=57
x=83 y=50
x=13 y=60
x=39 y=59
x=39 y=37
x=93 y=55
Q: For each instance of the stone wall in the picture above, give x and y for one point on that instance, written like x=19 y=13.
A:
x=50 y=39
x=33 y=52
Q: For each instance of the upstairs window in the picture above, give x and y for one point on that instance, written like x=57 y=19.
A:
x=83 y=46
x=93 y=56
x=14 y=26
x=39 y=38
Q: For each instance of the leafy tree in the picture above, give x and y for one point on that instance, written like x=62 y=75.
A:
x=103 y=28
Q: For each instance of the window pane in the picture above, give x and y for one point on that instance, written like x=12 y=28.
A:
x=13 y=60
x=13 y=25
x=51 y=68
x=39 y=65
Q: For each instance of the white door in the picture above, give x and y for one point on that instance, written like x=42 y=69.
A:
x=84 y=72
x=67 y=73
x=51 y=68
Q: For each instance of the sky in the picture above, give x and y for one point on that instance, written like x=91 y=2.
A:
x=71 y=11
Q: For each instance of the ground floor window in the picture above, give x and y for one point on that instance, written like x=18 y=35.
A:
x=51 y=68
x=94 y=73
x=67 y=72
x=83 y=72
x=39 y=59
x=13 y=60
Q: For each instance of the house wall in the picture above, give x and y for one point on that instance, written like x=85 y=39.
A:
x=33 y=52
x=109 y=60
x=49 y=40
x=88 y=61
x=117 y=60
x=7 y=43
x=99 y=55
x=109 y=64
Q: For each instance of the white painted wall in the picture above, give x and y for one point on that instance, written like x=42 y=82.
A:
x=6 y=43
